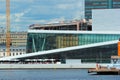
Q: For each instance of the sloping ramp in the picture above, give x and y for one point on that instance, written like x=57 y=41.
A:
x=58 y=50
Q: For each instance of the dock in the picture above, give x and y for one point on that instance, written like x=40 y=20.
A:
x=46 y=66
x=104 y=70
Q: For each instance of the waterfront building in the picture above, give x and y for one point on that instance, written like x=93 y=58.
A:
x=85 y=45
x=13 y=51
x=99 y=4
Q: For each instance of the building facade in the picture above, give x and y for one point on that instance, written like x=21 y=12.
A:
x=14 y=51
x=17 y=39
x=45 y=40
x=17 y=45
x=99 y=4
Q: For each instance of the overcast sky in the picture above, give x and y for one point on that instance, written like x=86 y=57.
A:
x=27 y=12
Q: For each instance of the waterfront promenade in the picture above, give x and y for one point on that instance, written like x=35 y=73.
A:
x=48 y=66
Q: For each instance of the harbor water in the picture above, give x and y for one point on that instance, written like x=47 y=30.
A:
x=53 y=74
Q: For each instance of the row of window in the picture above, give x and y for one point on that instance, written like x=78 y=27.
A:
x=13 y=49
x=11 y=54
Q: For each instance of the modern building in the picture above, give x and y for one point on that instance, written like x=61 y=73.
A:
x=99 y=4
x=85 y=45
x=64 y=25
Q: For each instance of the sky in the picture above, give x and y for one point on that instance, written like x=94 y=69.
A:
x=27 y=12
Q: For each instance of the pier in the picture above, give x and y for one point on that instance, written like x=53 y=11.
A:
x=46 y=66
x=112 y=71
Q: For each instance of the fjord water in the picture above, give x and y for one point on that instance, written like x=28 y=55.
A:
x=53 y=74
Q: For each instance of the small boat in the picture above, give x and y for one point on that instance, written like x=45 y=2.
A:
x=112 y=68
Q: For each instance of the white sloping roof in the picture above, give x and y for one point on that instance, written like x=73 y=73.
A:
x=58 y=50
x=72 y=32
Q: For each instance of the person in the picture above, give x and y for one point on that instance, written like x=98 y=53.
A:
x=97 y=66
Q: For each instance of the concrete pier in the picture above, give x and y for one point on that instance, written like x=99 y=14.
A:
x=47 y=66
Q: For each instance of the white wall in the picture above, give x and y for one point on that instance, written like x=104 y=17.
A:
x=106 y=19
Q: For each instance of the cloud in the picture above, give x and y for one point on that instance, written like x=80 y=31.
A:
x=65 y=6
x=23 y=1
x=2 y=0
x=56 y=20
x=27 y=12
x=79 y=15
x=49 y=21
x=71 y=4
x=2 y=20
x=18 y=16
x=2 y=17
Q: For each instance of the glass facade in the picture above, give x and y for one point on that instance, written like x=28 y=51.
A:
x=101 y=54
x=99 y=4
x=49 y=41
x=45 y=41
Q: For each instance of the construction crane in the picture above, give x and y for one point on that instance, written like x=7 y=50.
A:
x=8 y=39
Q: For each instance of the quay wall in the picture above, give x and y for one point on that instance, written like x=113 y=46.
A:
x=47 y=66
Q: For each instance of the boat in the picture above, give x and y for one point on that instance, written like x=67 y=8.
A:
x=112 y=68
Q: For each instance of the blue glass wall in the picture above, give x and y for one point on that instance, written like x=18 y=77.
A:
x=43 y=41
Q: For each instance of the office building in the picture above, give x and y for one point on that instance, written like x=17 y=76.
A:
x=99 y=4
x=17 y=39
x=17 y=46
x=13 y=51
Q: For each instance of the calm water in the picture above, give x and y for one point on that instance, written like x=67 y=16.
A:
x=53 y=74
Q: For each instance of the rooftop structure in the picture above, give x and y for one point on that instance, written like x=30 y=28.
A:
x=64 y=25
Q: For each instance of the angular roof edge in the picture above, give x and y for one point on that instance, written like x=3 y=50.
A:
x=59 y=50
x=73 y=32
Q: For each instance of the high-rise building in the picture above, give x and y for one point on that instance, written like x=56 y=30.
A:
x=99 y=4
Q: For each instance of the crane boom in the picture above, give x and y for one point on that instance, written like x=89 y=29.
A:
x=8 y=27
